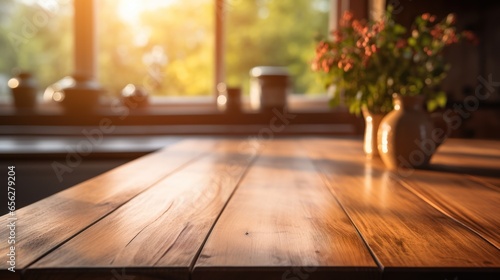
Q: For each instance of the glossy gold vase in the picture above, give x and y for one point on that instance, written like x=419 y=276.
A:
x=372 y=122
x=404 y=135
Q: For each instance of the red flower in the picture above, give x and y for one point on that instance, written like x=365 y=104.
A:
x=368 y=51
x=429 y=17
x=401 y=43
x=357 y=26
x=378 y=27
x=450 y=37
x=361 y=50
x=340 y=64
x=428 y=51
x=325 y=66
x=337 y=35
x=437 y=32
x=347 y=17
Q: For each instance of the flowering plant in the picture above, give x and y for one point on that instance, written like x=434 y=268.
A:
x=370 y=61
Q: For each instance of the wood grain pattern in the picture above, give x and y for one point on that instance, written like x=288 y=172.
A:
x=163 y=227
x=467 y=186
x=489 y=181
x=304 y=209
x=283 y=216
x=468 y=201
x=46 y=224
x=405 y=233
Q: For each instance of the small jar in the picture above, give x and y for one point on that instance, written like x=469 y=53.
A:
x=228 y=99
x=269 y=88
x=24 y=88
x=134 y=97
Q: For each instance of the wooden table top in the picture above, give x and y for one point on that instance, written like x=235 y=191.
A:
x=295 y=208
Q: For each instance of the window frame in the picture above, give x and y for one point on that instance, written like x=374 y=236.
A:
x=85 y=55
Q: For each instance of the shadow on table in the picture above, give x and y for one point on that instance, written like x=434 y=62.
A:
x=475 y=164
x=469 y=155
x=466 y=169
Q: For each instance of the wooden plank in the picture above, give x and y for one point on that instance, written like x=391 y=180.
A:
x=489 y=181
x=159 y=232
x=283 y=223
x=468 y=201
x=46 y=224
x=409 y=237
x=479 y=160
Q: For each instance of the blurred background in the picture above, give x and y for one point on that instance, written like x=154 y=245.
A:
x=172 y=35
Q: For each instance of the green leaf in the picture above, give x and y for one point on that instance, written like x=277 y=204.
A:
x=335 y=100
x=355 y=108
x=432 y=105
x=441 y=99
x=399 y=29
x=426 y=40
x=412 y=42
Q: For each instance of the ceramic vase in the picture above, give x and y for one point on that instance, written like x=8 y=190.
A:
x=372 y=122
x=405 y=134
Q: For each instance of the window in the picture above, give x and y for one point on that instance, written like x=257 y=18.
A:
x=35 y=36
x=277 y=33
x=174 y=48
x=167 y=46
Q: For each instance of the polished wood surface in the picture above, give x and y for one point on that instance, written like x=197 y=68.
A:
x=451 y=195
x=186 y=203
x=403 y=230
x=47 y=224
x=283 y=216
x=297 y=208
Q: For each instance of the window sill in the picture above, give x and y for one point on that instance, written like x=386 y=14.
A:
x=167 y=105
x=184 y=116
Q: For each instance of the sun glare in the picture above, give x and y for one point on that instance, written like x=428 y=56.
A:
x=130 y=10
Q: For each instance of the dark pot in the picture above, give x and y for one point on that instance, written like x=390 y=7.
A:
x=83 y=96
x=24 y=88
